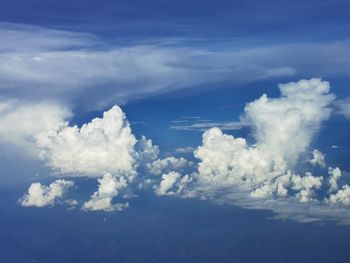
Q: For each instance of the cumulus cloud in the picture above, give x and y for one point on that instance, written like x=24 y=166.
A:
x=305 y=186
x=228 y=161
x=318 y=158
x=104 y=145
x=335 y=174
x=172 y=183
x=287 y=124
x=40 y=195
x=230 y=168
x=170 y=163
x=146 y=151
x=342 y=196
x=283 y=129
x=109 y=187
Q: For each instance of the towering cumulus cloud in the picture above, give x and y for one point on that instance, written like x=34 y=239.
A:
x=104 y=147
x=283 y=129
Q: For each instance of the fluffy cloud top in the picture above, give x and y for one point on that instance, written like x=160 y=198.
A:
x=40 y=195
x=109 y=187
x=287 y=124
x=342 y=196
x=105 y=145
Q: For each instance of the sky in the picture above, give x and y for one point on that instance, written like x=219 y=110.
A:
x=176 y=131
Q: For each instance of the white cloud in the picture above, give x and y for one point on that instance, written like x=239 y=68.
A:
x=229 y=161
x=104 y=145
x=287 y=124
x=40 y=195
x=172 y=183
x=342 y=196
x=318 y=158
x=283 y=129
x=146 y=151
x=306 y=185
x=170 y=163
x=109 y=187
x=335 y=174
x=21 y=121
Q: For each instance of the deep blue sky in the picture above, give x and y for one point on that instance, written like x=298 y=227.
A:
x=167 y=228
x=278 y=20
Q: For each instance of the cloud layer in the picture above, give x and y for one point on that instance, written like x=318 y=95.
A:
x=263 y=174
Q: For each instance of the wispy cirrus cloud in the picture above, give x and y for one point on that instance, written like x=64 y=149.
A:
x=73 y=67
x=202 y=125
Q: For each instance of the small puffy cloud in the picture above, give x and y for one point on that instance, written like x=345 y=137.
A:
x=171 y=163
x=21 y=121
x=172 y=183
x=342 y=196
x=335 y=174
x=306 y=186
x=104 y=145
x=318 y=158
x=40 y=195
x=109 y=187
x=335 y=147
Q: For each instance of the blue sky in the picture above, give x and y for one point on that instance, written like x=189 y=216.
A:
x=182 y=131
